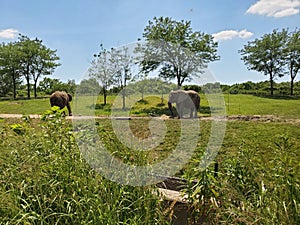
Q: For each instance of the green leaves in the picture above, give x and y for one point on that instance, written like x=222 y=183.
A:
x=176 y=49
x=274 y=54
x=18 y=128
x=26 y=58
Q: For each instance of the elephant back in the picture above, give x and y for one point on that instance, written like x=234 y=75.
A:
x=59 y=98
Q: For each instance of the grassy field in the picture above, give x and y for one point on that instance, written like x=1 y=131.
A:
x=45 y=178
x=288 y=107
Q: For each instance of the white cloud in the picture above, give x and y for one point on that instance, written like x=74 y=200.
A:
x=275 y=8
x=8 y=33
x=230 y=34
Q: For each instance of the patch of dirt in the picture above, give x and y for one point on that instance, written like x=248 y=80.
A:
x=164 y=117
x=16 y=103
x=259 y=118
x=263 y=118
x=34 y=116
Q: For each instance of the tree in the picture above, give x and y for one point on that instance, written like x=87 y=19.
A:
x=88 y=86
x=36 y=60
x=113 y=67
x=70 y=86
x=267 y=55
x=5 y=85
x=49 y=85
x=293 y=56
x=103 y=70
x=177 y=51
x=9 y=68
x=151 y=86
x=123 y=60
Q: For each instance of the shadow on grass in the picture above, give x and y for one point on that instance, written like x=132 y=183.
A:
x=143 y=101
x=154 y=111
x=159 y=109
x=280 y=97
x=106 y=107
x=205 y=110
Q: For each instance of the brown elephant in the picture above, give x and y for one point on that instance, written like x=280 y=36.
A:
x=184 y=99
x=61 y=99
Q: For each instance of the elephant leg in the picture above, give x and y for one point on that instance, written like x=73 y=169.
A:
x=52 y=102
x=192 y=112
x=179 y=111
x=69 y=109
x=180 y=114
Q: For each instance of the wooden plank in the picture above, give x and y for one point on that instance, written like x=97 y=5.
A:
x=172 y=195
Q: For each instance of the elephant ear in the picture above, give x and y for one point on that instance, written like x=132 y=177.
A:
x=182 y=96
x=193 y=95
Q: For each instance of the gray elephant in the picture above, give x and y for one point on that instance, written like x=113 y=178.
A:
x=61 y=99
x=184 y=99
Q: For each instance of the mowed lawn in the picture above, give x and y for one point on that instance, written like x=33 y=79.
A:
x=288 y=107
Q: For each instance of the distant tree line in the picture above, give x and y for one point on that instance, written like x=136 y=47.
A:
x=158 y=86
x=261 y=88
x=253 y=88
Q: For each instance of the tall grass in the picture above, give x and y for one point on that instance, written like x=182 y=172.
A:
x=256 y=186
x=45 y=180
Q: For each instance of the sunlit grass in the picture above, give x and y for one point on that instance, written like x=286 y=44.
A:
x=253 y=105
x=26 y=107
x=46 y=179
x=155 y=105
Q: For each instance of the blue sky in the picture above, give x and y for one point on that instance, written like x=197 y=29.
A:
x=77 y=28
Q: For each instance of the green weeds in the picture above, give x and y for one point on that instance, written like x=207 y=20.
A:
x=252 y=188
x=45 y=180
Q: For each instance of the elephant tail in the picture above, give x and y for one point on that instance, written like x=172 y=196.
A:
x=70 y=97
x=170 y=108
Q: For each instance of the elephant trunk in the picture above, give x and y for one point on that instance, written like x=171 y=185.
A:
x=170 y=108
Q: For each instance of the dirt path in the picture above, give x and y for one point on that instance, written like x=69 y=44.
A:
x=260 y=118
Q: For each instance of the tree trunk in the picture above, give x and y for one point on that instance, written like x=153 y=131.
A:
x=123 y=96
x=104 y=95
x=14 y=86
x=292 y=85
x=34 y=88
x=28 y=87
x=272 y=84
x=123 y=88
